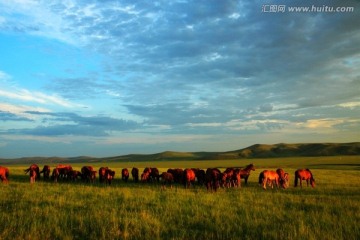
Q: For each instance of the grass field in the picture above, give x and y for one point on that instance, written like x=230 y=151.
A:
x=68 y=210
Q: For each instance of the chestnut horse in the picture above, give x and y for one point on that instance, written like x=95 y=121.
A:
x=270 y=176
x=4 y=174
x=245 y=173
x=304 y=174
x=125 y=174
x=189 y=177
x=34 y=172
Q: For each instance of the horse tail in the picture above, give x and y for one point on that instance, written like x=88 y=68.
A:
x=27 y=170
x=296 y=179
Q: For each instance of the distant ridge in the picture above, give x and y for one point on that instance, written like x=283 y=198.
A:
x=255 y=151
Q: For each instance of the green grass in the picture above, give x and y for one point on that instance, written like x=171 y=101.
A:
x=67 y=210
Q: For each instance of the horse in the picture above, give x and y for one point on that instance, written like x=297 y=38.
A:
x=304 y=174
x=282 y=179
x=286 y=178
x=125 y=174
x=189 y=177
x=33 y=175
x=4 y=174
x=88 y=173
x=154 y=174
x=227 y=178
x=236 y=178
x=34 y=172
x=145 y=176
x=135 y=174
x=213 y=177
x=177 y=174
x=106 y=175
x=268 y=176
x=245 y=173
x=64 y=171
x=55 y=174
x=166 y=178
x=201 y=176
x=46 y=171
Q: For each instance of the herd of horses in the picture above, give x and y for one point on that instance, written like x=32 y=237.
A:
x=212 y=178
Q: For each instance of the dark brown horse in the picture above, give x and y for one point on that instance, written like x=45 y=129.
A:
x=304 y=174
x=177 y=174
x=106 y=175
x=46 y=171
x=4 y=174
x=34 y=172
x=135 y=174
x=268 y=176
x=88 y=173
x=125 y=174
x=189 y=177
x=227 y=178
x=166 y=178
x=245 y=173
x=213 y=178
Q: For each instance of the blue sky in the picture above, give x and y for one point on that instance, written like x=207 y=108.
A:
x=105 y=78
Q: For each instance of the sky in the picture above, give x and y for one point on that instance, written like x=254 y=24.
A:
x=105 y=78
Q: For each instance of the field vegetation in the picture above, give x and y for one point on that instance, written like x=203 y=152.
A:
x=78 y=210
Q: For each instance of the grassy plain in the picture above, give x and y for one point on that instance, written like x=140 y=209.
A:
x=68 y=210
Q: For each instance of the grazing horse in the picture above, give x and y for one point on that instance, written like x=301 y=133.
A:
x=282 y=179
x=189 y=177
x=213 y=177
x=88 y=173
x=166 y=178
x=145 y=176
x=304 y=174
x=55 y=174
x=34 y=172
x=64 y=171
x=46 y=171
x=245 y=173
x=125 y=174
x=4 y=174
x=135 y=174
x=267 y=176
x=227 y=178
x=177 y=174
x=154 y=174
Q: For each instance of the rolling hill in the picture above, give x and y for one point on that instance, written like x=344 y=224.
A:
x=255 y=151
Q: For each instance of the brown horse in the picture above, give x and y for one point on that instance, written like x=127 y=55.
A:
x=166 y=178
x=268 y=176
x=135 y=174
x=4 y=174
x=189 y=177
x=64 y=171
x=304 y=174
x=145 y=176
x=106 y=175
x=46 y=171
x=125 y=174
x=282 y=179
x=55 y=174
x=227 y=178
x=177 y=174
x=213 y=178
x=34 y=172
x=245 y=173
x=88 y=173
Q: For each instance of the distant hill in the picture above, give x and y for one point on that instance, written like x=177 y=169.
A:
x=255 y=151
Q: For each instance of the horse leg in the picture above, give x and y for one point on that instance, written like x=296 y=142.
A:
x=264 y=183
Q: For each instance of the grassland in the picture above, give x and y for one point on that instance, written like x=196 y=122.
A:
x=68 y=210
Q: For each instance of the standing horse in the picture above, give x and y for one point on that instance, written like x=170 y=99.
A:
x=46 y=171
x=304 y=174
x=135 y=174
x=213 y=177
x=166 y=178
x=245 y=173
x=282 y=179
x=189 y=177
x=4 y=174
x=125 y=174
x=268 y=176
x=34 y=172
